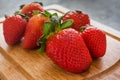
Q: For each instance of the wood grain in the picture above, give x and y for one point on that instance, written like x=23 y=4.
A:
x=9 y=70
x=112 y=73
x=17 y=63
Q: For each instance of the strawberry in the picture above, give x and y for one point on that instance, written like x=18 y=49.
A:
x=66 y=47
x=80 y=19
x=68 y=50
x=34 y=31
x=95 y=40
x=29 y=9
x=13 y=29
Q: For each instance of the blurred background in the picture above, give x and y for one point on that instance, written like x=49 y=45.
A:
x=104 y=11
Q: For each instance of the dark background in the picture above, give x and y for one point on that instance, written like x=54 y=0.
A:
x=103 y=11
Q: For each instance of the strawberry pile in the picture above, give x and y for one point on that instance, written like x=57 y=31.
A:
x=70 y=41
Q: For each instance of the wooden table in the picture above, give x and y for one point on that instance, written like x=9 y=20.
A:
x=17 y=63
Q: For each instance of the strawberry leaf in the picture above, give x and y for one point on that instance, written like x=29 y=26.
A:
x=47 y=14
x=55 y=20
x=52 y=27
x=78 y=11
x=25 y=17
x=17 y=12
x=21 y=6
x=82 y=28
x=66 y=24
x=55 y=14
x=42 y=48
x=5 y=15
x=42 y=39
x=36 y=12
x=47 y=28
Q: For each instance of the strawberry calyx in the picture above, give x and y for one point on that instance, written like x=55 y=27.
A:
x=5 y=15
x=21 y=6
x=17 y=12
x=83 y=28
x=22 y=15
x=78 y=11
x=52 y=27
x=35 y=12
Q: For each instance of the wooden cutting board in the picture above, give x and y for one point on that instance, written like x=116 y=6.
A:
x=17 y=63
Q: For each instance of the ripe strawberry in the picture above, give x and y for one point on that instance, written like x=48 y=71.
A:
x=80 y=19
x=95 y=40
x=68 y=50
x=34 y=31
x=13 y=29
x=65 y=46
x=29 y=9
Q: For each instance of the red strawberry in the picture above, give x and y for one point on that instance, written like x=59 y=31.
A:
x=65 y=46
x=68 y=50
x=28 y=9
x=34 y=31
x=80 y=19
x=95 y=40
x=13 y=29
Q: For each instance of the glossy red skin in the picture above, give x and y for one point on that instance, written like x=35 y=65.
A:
x=80 y=19
x=95 y=40
x=28 y=9
x=68 y=50
x=33 y=31
x=13 y=29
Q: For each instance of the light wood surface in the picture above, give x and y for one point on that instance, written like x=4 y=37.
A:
x=17 y=63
